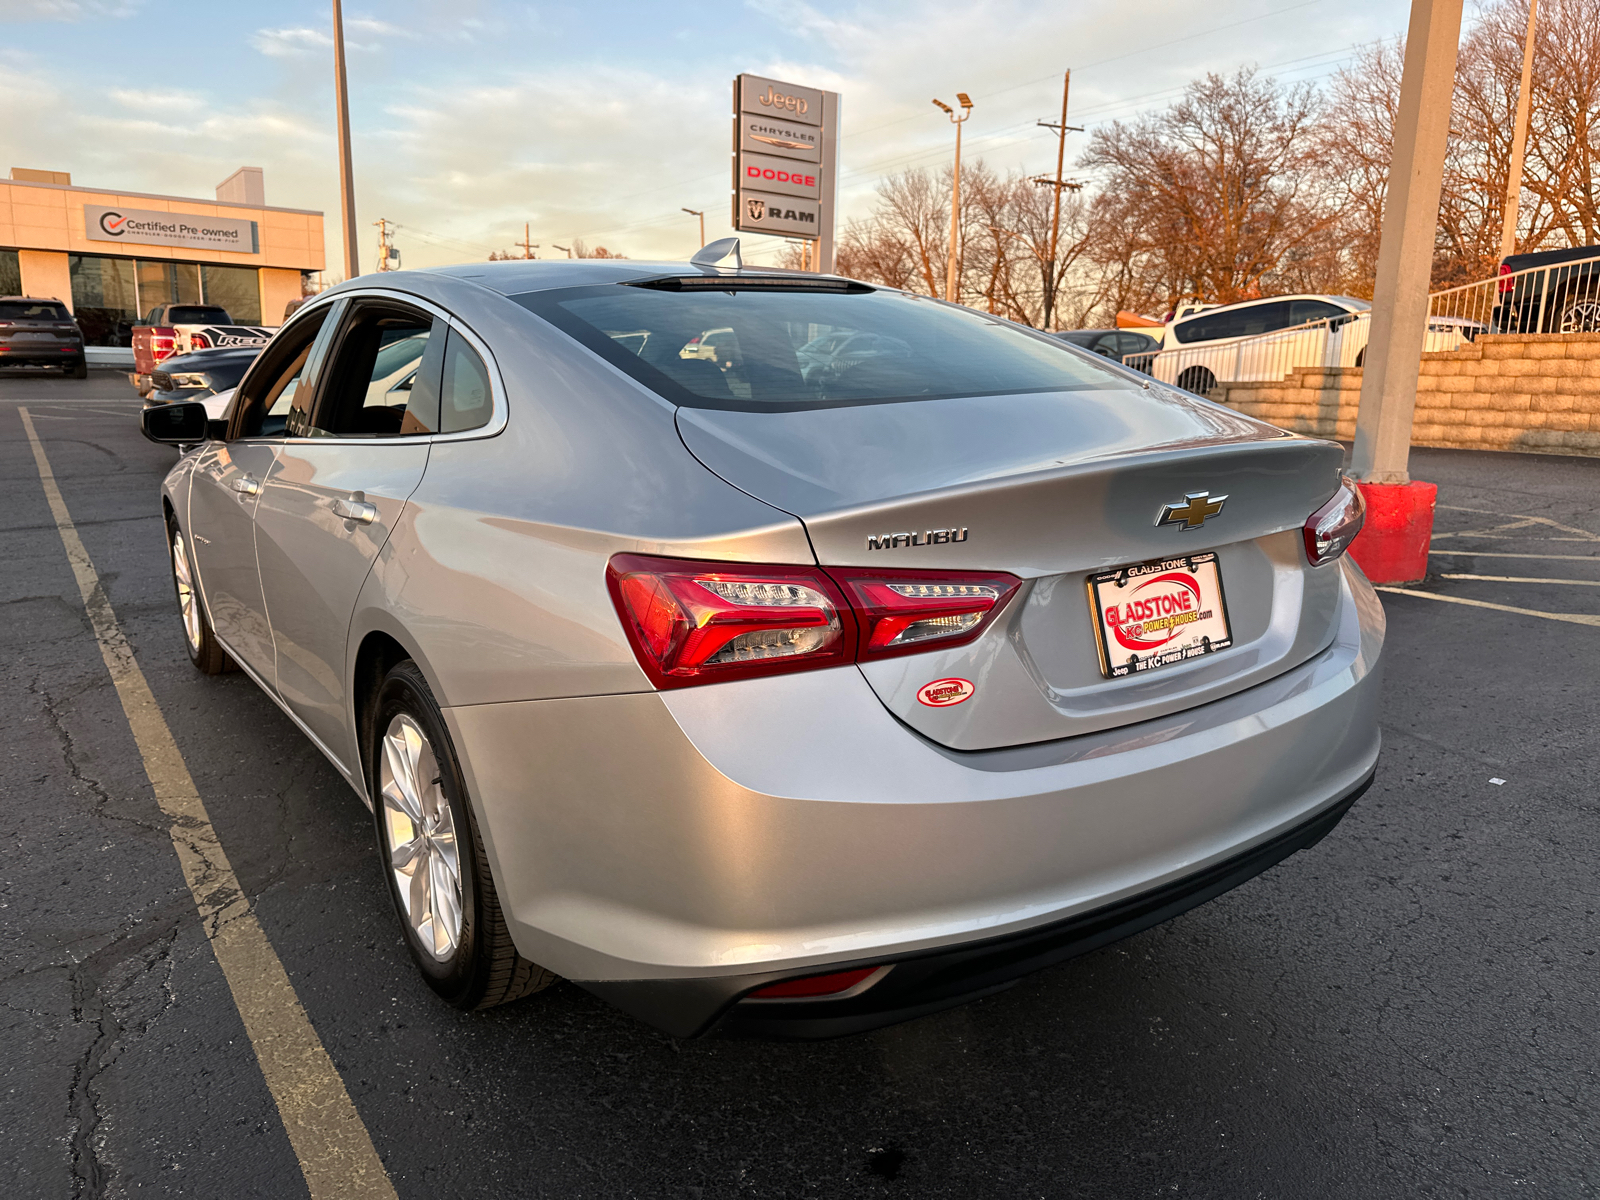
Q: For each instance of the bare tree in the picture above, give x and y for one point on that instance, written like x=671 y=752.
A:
x=1222 y=188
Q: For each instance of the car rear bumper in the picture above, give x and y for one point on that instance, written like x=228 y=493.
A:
x=673 y=851
x=40 y=356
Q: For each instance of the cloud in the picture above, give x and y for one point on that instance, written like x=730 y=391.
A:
x=157 y=101
x=65 y=10
x=290 y=43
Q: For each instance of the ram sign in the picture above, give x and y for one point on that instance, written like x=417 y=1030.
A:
x=785 y=161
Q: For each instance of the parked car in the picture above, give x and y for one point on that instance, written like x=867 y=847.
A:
x=40 y=334
x=172 y=329
x=1113 y=343
x=765 y=698
x=199 y=374
x=1231 y=342
x=1563 y=297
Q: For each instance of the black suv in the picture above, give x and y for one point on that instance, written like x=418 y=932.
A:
x=40 y=333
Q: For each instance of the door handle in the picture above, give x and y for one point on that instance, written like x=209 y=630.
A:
x=247 y=486
x=356 y=510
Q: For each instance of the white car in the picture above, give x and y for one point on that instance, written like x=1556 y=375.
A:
x=1261 y=339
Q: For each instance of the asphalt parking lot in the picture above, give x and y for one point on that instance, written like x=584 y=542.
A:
x=1408 y=1009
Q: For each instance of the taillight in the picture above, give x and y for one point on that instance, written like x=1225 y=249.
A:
x=1506 y=285
x=199 y=341
x=703 y=622
x=695 y=622
x=1334 y=526
x=905 y=612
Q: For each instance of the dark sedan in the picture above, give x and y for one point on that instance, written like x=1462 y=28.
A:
x=40 y=334
x=1113 y=343
x=199 y=374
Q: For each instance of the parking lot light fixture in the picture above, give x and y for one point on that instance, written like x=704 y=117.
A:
x=701 y=214
x=952 y=266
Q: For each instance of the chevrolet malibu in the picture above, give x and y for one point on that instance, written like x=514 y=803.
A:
x=891 y=653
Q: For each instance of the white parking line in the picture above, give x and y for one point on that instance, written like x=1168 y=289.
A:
x=333 y=1147
x=1523 y=579
x=1594 y=558
x=1570 y=618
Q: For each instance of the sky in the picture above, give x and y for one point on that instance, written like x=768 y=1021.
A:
x=597 y=121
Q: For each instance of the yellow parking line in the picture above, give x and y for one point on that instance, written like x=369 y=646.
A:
x=1570 y=618
x=334 y=1149
x=1523 y=579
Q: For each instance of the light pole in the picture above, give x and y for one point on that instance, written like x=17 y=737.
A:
x=568 y=250
x=347 y=195
x=701 y=214
x=1519 y=142
x=952 y=267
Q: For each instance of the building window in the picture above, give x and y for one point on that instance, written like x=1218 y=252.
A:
x=10 y=274
x=104 y=298
x=167 y=283
x=237 y=289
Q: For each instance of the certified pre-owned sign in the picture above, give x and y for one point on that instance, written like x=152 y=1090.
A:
x=148 y=227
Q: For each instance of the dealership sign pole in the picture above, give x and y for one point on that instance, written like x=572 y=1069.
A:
x=786 y=162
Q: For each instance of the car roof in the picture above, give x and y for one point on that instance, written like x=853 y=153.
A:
x=516 y=277
x=32 y=299
x=1328 y=296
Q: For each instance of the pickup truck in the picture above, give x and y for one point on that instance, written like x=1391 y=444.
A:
x=171 y=329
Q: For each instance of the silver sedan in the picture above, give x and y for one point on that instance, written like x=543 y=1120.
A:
x=772 y=652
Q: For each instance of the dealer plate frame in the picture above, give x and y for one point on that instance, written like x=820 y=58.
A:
x=1186 y=652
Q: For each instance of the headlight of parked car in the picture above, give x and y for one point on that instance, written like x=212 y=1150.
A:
x=191 y=379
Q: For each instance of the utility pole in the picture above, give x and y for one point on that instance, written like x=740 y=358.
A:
x=527 y=247
x=1058 y=183
x=952 y=271
x=693 y=212
x=385 y=250
x=347 y=195
x=1519 y=142
x=1393 y=547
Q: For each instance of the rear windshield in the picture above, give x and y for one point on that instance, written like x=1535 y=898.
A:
x=780 y=348
x=197 y=314
x=32 y=310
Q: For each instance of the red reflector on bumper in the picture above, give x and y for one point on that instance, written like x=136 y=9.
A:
x=812 y=986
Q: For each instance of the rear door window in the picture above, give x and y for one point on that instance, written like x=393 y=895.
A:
x=1302 y=311
x=756 y=343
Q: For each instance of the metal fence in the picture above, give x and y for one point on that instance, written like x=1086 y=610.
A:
x=1562 y=298
x=1332 y=342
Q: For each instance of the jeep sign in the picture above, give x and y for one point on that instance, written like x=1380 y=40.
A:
x=785 y=162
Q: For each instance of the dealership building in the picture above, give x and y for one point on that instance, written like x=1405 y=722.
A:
x=114 y=255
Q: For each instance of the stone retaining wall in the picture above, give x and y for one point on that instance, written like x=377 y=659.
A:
x=1506 y=391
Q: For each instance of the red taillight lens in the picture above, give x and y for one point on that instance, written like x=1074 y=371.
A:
x=1334 y=526
x=693 y=622
x=813 y=987
x=1505 y=284
x=199 y=341
x=703 y=622
x=905 y=612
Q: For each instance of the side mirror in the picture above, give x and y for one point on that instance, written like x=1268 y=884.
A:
x=176 y=424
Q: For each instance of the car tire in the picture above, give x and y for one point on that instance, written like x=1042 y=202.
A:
x=81 y=370
x=205 y=652
x=433 y=856
x=1198 y=380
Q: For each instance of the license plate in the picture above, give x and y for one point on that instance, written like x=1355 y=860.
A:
x=23 y=336
x=1156 y=614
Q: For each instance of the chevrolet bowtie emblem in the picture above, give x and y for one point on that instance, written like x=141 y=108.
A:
x=1194 y=510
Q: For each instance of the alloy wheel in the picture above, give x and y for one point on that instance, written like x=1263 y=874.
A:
x=188 y=602
x=420 y=831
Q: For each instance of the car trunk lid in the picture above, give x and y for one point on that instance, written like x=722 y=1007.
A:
x=1051 y=487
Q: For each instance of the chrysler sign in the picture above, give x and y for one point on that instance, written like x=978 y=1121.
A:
x=148 y=227
x=785 y=161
